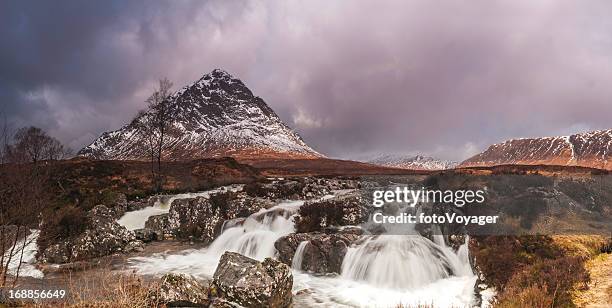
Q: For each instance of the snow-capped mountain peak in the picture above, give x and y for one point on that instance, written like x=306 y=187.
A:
x=217 y=115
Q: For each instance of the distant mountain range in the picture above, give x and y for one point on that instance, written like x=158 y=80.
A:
x=417 y=162
x=591 y=149
x=215 y=116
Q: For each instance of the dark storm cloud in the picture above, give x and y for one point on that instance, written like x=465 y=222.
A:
x=353 y=77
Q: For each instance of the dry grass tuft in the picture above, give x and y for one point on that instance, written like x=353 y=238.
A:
x=107 y=290
x=584 y=246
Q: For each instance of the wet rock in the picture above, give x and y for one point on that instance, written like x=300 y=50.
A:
x=181 y=290
x=322 y=254
x=145 y=234
x=160 y=225
x=119 y=206
x=136 y=245
x=479 y=287
x=139 y=204
x=202 y=218
x=456 y=241
x=67 y=267
x=104 y=236
x=343 y=210
x=251 y=283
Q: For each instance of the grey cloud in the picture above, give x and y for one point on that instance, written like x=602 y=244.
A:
x=353 y=77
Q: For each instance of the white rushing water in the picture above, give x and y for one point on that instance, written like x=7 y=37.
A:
x=380 y=271
x=136 y=219
x=27 y=260
x=298 y=257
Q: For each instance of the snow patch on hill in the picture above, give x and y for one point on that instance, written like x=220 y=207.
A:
x=417 y=162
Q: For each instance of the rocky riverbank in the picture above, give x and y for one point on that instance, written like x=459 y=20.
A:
x=307 y=240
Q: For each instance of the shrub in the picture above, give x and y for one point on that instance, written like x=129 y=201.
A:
x=499 y=257
x=532 y=296
x=607 y=247
x=553 y=278
x=67 y=222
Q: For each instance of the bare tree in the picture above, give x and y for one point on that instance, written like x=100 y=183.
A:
x=156 y=123
x=23 y=189
x=32 y=144
x=142 y=122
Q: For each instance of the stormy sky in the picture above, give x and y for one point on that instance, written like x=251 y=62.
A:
x=354 y=78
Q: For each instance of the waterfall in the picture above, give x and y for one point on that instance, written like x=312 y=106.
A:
x=136 y=219
x=28 y=260
x=255 y=237
x=298 y=257
x=381 y=271
x=396 y=261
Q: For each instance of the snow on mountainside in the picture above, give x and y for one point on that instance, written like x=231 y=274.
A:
x=417 y=162
x=591 y=149
x=215 y=116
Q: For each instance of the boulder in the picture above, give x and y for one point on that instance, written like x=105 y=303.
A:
x=160 y=225
x=119 y=206
x=251 y=283
x=104 y=236
x=349 y=209
x=139 y=204
x=202 y=218
x=323 y=252
x=145 y=235
x=182 y=290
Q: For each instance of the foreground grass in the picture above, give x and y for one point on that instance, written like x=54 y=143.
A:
x=599 y=292
x=106 y=290
x=538 y=271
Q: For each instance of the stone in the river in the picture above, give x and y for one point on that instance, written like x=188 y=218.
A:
x=145 y=234
x=322 y=254
x=251 y=283
x=104 y=236
x=182 y=290
x=201 y=218
x=349 y=209
x=160 y=225
x=139 y=204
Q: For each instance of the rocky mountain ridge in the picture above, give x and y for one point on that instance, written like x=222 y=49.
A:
x=590 y=149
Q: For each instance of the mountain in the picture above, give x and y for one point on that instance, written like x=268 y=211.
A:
x=417 y=162
x=591 y=149
x=215 y=116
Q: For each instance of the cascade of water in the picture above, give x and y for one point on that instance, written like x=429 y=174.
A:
x=298 y=257
x=255 y=237
x=27 y=260
x=136 y=219
x=401 y=262
x=379 y=270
